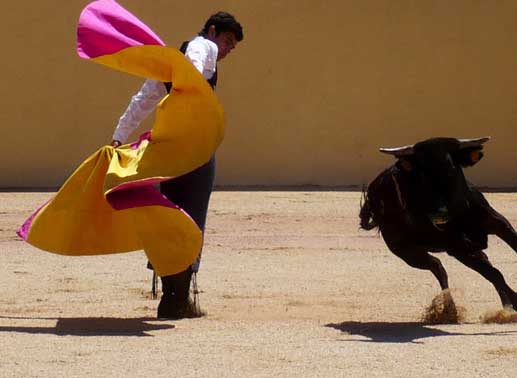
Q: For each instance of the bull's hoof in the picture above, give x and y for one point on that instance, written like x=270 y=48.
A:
x=509 y=300
x=514 y=302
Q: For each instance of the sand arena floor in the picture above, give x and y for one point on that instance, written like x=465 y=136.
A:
x=292 y=288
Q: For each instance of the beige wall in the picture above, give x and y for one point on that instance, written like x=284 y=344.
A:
x=312 y=92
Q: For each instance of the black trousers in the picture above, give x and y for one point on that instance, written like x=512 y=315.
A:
x=192 y=193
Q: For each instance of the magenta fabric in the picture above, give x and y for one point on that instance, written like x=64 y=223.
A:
x=134 y=184
x=23 y=231
x=143 y=137
x=106 y=28
x=146 y=195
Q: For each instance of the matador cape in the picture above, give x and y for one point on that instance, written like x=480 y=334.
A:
x=110 y=204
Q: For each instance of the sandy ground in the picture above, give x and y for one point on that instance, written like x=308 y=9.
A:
x=292 y=288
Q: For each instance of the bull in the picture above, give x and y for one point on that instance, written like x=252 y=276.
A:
x=423 y=204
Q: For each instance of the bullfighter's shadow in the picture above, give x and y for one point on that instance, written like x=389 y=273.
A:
x=401 y=332
x=91 y=326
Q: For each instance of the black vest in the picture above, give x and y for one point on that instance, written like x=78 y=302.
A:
x=212 y=81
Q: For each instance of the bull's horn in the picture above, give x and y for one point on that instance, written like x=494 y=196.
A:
x=398 y=151
x=465 y=143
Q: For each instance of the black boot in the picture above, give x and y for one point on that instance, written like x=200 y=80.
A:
x=175 y=302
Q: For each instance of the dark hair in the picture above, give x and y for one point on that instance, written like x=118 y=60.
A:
x=223 y=22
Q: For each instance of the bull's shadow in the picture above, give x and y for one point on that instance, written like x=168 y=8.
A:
x=122 y=327
x=399 y=332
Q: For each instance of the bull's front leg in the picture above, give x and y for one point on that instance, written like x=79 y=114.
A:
x=479 y=262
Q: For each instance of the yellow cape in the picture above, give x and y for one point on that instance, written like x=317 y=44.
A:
x=189 y=127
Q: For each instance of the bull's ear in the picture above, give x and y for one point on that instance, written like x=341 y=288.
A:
x=470 y=151
x=467 y=157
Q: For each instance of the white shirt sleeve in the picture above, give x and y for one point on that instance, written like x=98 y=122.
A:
x=140 y=106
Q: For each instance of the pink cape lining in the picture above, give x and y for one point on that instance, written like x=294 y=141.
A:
x=137 y=196
x=23 y=231
x=105 y=28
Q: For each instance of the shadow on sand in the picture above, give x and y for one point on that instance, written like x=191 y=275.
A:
x=90 y=326
x=408 y=332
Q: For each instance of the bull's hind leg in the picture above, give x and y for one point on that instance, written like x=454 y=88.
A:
x=421 y=259
x=479 y=262
x=498 y=225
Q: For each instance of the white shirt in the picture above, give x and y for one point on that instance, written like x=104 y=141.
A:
x=201 y=52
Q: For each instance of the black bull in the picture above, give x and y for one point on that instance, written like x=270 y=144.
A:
x=423 y=203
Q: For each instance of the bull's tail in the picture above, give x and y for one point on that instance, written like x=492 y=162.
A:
x=366 y=213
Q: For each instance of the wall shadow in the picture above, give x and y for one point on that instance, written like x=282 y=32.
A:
x=399 y=332
x=123 y=327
